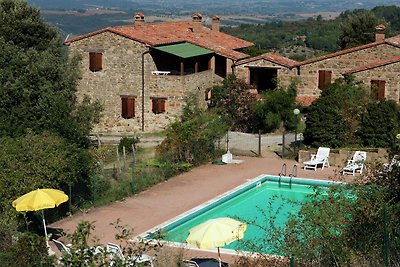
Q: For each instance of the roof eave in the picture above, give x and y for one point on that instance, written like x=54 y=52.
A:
x=342 y=52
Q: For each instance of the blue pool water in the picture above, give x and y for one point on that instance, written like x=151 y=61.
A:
x=266 y=202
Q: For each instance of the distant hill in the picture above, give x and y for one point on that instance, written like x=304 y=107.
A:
x=221 y=7
x=298 y=35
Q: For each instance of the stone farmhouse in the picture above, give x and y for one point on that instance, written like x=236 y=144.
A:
x=142 y=72
x=376 y=64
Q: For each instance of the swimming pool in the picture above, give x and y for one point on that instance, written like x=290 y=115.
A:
x=266 y=200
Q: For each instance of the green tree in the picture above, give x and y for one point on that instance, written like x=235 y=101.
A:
x=345 y=226
x=275 y=107
x=358 y=28
x=391 y=14
x=193 y=138
x=23 y=249
x=380 y=124
x=234 y=101
x=334 y=118
x=38 y=80
x=41 y=161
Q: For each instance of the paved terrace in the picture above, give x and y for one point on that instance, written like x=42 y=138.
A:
x=166 y=200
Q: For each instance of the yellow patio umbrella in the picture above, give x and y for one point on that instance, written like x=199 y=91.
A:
x=40 y=199
x=216 y=233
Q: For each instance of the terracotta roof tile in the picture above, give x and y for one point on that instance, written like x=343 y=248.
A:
x=306 y=100
x=273 y=57
x=373 y=65
x=394 y=41
x=175 y=32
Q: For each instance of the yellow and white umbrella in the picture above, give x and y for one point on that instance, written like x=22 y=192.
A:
x=216 y=233
x=40 y=199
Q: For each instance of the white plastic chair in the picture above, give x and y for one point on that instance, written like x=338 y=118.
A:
x=356 y=164
x=132 y=261
x=61 y=246
x=321 y=158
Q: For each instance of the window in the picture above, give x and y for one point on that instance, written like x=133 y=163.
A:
x=324 y=78
x=128 y=106
x=158 y=104
x=95 y=61
x=378 y=88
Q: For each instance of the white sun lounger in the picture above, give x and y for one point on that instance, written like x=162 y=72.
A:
x=321 y=158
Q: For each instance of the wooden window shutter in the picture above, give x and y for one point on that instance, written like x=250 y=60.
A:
x=379 y=86
x=124 y=107
x=321 y=79
x=158 y=105
x=328 y=77
x=154 y=106
x=381 y=90
x=95 y=61
x=99 y=61
x=161 y=105
x=324 y=78
x=128 y=107
x=131 y=107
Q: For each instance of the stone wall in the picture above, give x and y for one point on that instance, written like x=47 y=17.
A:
x=175 y=88
x=389 y=73
x=339 y=158
x=308 y=82
x=122 y=75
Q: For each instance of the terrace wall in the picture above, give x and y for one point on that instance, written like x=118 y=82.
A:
x=339 y=157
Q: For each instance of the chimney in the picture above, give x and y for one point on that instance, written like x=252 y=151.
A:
x=196 y=22
x=380 y=32
x=139 y=19
x=215 y=24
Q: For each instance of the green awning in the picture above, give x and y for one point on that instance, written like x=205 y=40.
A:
x=184 y=50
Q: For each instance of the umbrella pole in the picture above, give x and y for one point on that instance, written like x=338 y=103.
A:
x=219 y=258
x=45 y=230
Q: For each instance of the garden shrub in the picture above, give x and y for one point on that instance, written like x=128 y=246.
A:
x=360 y=220
x=193 y=138
x=234 y=101
x=380 y=124
x=23 y=249
x=128 y=142
x=334 y=118
x=42 y=161
x=275 y=107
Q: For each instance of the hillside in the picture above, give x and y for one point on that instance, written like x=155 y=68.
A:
x=222 y=7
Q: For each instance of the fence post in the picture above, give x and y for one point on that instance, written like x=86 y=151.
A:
x=134 y=155
x=98 y=140
x=119 y=165
x=124 y=154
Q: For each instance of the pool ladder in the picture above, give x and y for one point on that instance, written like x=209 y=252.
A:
x=283 y=173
